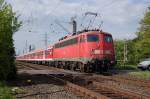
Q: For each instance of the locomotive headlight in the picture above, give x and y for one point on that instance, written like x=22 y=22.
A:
x=107 y=51
x=98 y=51
x=101 y=51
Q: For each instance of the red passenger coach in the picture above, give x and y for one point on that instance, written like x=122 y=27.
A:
x=88 y=50
x=35 y=55
x=49 y=53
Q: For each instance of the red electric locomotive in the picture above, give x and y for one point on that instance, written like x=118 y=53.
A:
x=87 y=51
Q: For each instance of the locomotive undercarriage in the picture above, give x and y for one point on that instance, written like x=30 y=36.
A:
x=94 y=65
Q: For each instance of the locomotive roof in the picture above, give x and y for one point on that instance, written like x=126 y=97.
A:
x=84 y=32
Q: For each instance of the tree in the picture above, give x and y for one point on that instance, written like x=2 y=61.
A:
x=143 y=43
x=140 y=46
x=145 y=26
x=8 y=25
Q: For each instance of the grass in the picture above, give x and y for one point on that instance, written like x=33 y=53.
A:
x=126 y=67
x=141 y=74
x=5 y=91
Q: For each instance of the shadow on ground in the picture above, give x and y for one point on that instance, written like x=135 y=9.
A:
x=28 y=80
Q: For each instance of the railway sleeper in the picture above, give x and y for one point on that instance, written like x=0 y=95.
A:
x=123 y=93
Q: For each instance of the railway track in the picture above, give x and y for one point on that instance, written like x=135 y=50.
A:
x=92 y=86
x=22 y=66
x=27 y=66
x=117 y=78
x=124 y=80
x=142 y=82
x=110 y=90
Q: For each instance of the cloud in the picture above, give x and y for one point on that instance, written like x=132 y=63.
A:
x=119 y=16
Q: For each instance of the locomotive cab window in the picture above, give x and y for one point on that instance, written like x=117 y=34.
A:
x=92 y=38
x=108 y=39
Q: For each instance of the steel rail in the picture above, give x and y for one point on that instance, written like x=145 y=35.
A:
x=76 y=88
x=114 y=91
x=80 y=90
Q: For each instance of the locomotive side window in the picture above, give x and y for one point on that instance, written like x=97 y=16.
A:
x=57 y=45
x=92 y=38
x=108 y=39
x=67 y=43
x=82 y=39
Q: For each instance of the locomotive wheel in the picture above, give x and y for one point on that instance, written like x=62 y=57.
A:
x=94 y=67
x=70 y=65
x=87 y=67
x=65 y=63
x=61 y=65
x=81 y=66
x=73 y=68
x=56 y=64
x=53 y=64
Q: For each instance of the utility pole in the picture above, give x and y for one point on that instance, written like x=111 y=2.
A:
x=46 y=37
x=23 y=51
x=46 y=46
x=125 y=52
x=30 y=48
x=26 y=46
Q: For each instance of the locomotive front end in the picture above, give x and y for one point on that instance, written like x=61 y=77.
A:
x=100 y=51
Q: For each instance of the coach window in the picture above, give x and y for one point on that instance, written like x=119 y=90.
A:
x=92 y=38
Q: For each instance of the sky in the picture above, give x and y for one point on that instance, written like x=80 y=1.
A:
x=121 y=18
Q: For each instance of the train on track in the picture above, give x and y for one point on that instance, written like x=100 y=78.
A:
x=87 y=51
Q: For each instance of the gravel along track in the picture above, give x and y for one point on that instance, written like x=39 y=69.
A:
x=46 y=91
x=124 y=83
x=34 y=83
x=107 y=89
x=40 y=86
x=115 y=87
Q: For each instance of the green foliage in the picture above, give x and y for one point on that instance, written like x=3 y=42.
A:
x=141 y=74
x=138 y=48
x=126 y=67
x=142 y=42
x=5 y=92
x=119 y=49
x=8 y=25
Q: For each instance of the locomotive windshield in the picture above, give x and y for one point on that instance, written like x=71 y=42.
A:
x=108 y=39
x=92 y=38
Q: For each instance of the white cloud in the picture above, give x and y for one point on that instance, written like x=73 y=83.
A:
x=119 y=16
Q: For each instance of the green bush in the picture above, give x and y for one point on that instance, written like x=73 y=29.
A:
x=139 y=47
x=8 y=25
x=141 y=74
x=126 y=67
x=5 y=92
